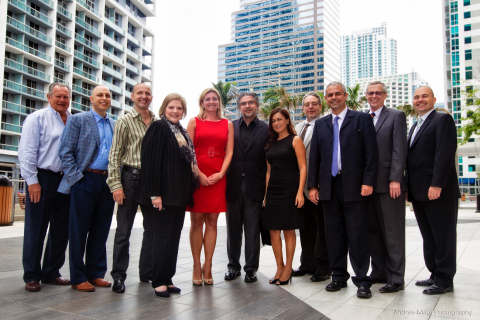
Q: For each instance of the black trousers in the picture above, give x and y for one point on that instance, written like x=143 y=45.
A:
x=346 y=229
x=243 y=214
x=125 y=218
x=91 y=211
x=314 y=257
x=168 y=225
x=437 y=221
x=52 y=209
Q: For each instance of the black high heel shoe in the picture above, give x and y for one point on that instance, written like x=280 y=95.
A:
x=273 y=281
x=282 y=283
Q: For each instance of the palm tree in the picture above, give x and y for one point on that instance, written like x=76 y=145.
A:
x=409 y=110
x=266 y=110
x=325 y=107
x=354 y=101
x=225 y=95
x=279 y=97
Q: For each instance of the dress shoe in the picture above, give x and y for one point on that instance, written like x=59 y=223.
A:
x=282 y=283
x=33 y=286
x=118 y=286
x=232 y=274
x=99 y=282
x=163 y=294
x=438 y=289
x=364 y=292
x=319 y=277
x=84 y=286
x=57 y=281
x=273 y=281
x=335 y=286
x=174 y=289
x=250 y=276
x=144 y=280
x=377 y=280
x=391 y=287
x=300 y=272
x=425 y=283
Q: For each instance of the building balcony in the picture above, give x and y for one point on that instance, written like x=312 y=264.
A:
x=113 y=43
x=17 y=88
x=26 y=29
x=61 y=81
x=89 y=8
x=88 y=27
x=135 y=56
x=8 y=147
x=11 y=127
x=146 y=65
x=26 y=48
x=14 y=65
x=62 y=46
x=133 y=40
x=130 y=81
x=145 y=7
x=81 y=90
x=85 y=74
x=116 y=104
x=146 y=76
x=87 y=43
x=64 y=30
x=112 y=116
x=147 y=51
x=112 y=72
x=16 y=108
x=46 y=3
x=132 y=69
x=62 y=65
x=109 y=23
x=64 y=12
x=112 y=87
x=34 y=14
x=87 y=59
x=113 y=57
x=128 y=108
x=80 y=107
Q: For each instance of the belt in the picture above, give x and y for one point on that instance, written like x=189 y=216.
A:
x=101 y=172
x=131 y=169
x=211 y=152
x=50 y=171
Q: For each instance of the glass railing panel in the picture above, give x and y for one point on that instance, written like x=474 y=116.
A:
x=26 y=48
x=80 y=107
x=32 y=12
x=24 y=89
x=11 y=127
x=60 y=80
x=90 y=28
x=62 y=64
x=81 y=90
x=62 y=46
x=87 y=59
x=8 y=147
x=27 y=69
x=21 y=26
x=87 y=42
x=85 y=74
x=64 y=29
x=17 y=108
x=90 y=8
x=64 y=11
x=113 y=72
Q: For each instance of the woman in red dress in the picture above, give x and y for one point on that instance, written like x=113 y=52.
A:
x=212 y=137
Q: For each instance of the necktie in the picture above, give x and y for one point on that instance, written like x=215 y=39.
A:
x=304 y=132
x=417 y=127
x=373 y=116
x=335 y=147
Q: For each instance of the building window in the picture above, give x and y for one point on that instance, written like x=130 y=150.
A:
x=467 y=27
x=468 y=40
x=466 y=3
x=455 y=45
x=454 y=32
x=468 y=54
x=454 y=19
x=453 y=6
x=471 y=168
x=455 y=59
x=467 y=15
x=468 y=73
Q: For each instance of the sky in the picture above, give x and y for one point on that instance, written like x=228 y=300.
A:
x=188 y=33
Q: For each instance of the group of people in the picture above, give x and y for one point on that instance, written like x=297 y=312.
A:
x=341 y=179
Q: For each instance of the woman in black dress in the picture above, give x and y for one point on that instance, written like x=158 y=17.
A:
x=286 y=175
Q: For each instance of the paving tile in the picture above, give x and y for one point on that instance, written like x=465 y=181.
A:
x=123 y=308
x=200 y=313
x=347 y=311
x=90 y=301
x=299 y=311
x=9 y=309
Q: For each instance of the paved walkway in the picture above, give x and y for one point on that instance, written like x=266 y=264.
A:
x=238 y=300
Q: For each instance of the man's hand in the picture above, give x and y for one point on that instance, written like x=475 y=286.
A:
x=395 y=189
x=157 y=203
x=118 y=196
x=366 y=190
x=313 y=195
x=434 y=193
x=35 y=191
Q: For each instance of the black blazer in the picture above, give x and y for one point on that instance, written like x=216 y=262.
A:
x=252 y=162
x=359 y=154
x=431 y=158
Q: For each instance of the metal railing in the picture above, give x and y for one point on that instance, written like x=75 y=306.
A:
x=86 y=42
x=81 y=90
x=62 y=46
x=32 y=12
x=28 y=49
x=23 y=27
x=11 y=127
x=88 y=27
x=87 y=59
x=8 y=147
x=64 y=30
x=62 y=64
x=17 y=108
x=85 y=74
x=21 y=67
x=24 y=89
x=80 y=107
x=90 y=8
x=64 y=11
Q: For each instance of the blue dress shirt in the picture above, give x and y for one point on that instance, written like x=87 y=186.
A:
x=106 y=136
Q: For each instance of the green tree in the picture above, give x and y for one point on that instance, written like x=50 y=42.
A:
x=279 y=97
x=408 y=109
x=225 y=94
x=471 y=124
x=354 y=101
x=325 y=107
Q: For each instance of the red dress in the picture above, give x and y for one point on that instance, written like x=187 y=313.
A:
x=210 y=143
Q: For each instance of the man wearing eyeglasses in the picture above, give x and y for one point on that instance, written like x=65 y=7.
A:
x=246 y=188
x=314 y=257
x=387 y=207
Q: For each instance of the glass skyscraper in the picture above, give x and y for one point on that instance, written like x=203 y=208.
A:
x=291 y=43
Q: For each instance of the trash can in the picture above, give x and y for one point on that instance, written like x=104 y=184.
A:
x=6 y=190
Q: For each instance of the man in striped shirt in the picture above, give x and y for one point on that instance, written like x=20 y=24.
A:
x=123 y=177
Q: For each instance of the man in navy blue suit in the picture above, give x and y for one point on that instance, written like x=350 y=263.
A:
x=342 y=173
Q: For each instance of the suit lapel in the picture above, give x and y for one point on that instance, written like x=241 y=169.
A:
x=328 y=120
x=424 y=125
x=93 y=125
x=412 y=129
x=381 y=118
x=347 y=119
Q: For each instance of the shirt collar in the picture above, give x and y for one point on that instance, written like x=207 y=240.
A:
x=425 y=116
x=312 y=123
x=377 y=112
x=135 y=114
x=342 y=114
x=99 y=117
x=55 y=113
x=243 y=121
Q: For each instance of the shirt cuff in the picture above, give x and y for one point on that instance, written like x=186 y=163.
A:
x=31 y=180
x=115 y=186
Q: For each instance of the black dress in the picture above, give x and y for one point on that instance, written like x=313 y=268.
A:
x=280 y=211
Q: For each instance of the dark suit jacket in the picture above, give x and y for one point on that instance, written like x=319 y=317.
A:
x=391 y=130
x=431 y=158
x=358 y=151
x=252 y=162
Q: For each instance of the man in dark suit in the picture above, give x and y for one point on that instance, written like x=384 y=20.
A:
x=342 y=174
x=433 y=189
x=246 y=188
x=387 y=208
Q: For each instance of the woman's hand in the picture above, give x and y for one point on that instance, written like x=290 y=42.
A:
x=203 y=179
x=214 y=178
x=299 y=200
x=157 y=203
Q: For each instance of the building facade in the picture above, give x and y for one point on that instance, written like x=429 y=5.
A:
x=83 y=43
x=291 y=43
x=367 y=53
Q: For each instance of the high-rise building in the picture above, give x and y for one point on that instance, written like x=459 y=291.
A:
x=367 y=53
x=83 y=43
x=292 y=43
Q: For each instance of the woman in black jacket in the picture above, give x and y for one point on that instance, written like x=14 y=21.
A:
x=169 y=176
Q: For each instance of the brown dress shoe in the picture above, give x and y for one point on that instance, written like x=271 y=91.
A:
x=57 y=281
x=33 y=286
x=99 y=282
x=84 y=286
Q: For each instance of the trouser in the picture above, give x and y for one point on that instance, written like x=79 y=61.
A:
x=51 y=209
x=91 y=212
x=314 y=257
x=437 y=221
x=346 y=225
x=387 y=237
x=243 y=212
x=168 y=225
x=125 y=218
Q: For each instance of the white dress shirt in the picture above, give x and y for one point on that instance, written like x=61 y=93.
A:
x=377 y=115
x=424 y=117
x=341 y=117
x=310 y=127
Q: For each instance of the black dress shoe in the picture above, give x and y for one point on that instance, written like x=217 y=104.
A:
x=144 y=280
x=437 y=289
x=425 y=283
x=319 y=277
x=377 y=280
x=335 y=286
x=300 y=272
x=250 y=276
x=163 y=294
x=232 y=274
x=364 y=292
x=391 y=287
x=118 y=286
x=174 y=289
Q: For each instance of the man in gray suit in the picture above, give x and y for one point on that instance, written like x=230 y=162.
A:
x=387 y=208
x=314 y=257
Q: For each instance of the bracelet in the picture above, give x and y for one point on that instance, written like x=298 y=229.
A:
x=153 y=198
x=221 y=176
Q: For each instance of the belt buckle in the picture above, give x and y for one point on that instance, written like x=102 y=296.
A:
x=211 y=152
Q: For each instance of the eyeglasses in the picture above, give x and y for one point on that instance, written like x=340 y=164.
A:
x=251 y=103
x=313 y=104
x=378 y=93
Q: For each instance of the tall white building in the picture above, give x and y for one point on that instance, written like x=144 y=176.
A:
x=83 y=43
x=367 y=53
